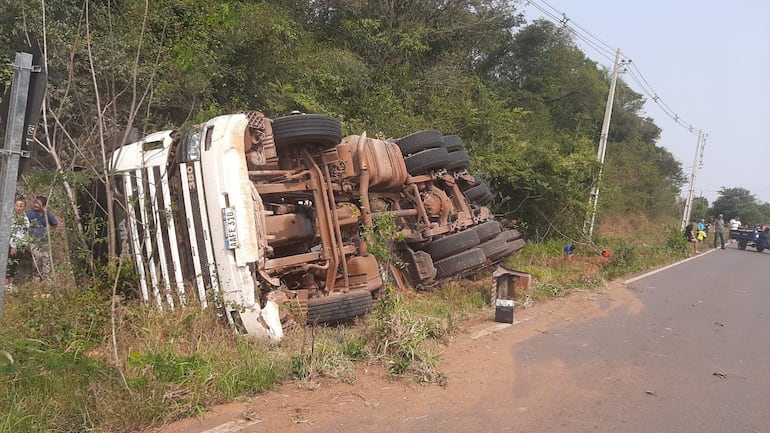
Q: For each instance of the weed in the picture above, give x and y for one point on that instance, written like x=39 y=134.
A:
x=116 y=271
x=624 y=257
x=46 y=388
x=402 y=339
x=328 y=352
x=167 y=366
x=55 y=374
x=381 y=237
x=300 y=366
x=548 y=290
x=675 y=240
x=58 y=370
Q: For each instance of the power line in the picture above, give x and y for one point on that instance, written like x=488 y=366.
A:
x=606 y=51
x=606 y=48
x=597 y=44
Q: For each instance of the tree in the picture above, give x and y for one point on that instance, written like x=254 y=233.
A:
x=700 y=209
x=640 y=177
x=527 y=102
x=735 y=201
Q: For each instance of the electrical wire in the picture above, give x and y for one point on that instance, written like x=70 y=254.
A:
x=606 y=51
x=604 y=46
x=598 y=45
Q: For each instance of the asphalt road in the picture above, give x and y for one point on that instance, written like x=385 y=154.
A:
x=686 y=349
x=696 y=358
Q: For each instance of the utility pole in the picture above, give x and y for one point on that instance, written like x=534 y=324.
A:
x=11 y=152
x=696 y=164
x=588 y=226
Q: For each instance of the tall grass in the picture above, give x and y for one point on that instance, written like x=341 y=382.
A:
x=58 y=371
x=631 y=248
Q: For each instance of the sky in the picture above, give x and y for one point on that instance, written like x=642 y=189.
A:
x=709 y=64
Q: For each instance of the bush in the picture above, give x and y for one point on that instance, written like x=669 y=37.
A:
x=624 y=258
x=675 y=240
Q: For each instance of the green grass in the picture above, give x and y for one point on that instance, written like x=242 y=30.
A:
x=58 y=371
x=555 y=275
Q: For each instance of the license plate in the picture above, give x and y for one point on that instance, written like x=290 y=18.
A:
x=231 y=229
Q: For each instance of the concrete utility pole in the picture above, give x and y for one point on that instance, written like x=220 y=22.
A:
x=696 y=164
x=588 y=227
x=10 y=154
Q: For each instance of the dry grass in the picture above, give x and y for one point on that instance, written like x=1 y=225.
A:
x=60 y=368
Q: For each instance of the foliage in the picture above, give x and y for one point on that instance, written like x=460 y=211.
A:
x=526 y=101
x=552 y=274
x=652 y=185
x=740 y=202
x=57 y=369
x=700 y=209
x=116 y=273
x=56 y=374
x=328 y=352
x=406 y=335
x=624 y=257
x=381 y=237
x=401 y=339
x=675 y=240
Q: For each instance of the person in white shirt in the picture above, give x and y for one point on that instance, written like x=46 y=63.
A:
x=735 y=224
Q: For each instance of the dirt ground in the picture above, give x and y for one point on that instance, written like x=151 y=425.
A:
x=469 y=362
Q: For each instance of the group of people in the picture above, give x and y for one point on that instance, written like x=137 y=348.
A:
x=29 y=232
x=697 y=231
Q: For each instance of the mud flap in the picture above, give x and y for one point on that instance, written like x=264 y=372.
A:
x=420 y=267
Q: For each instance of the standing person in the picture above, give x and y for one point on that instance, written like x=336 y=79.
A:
x=719 y=231
x=39 y=222
x=691 y=236
x=701 y=230
x=735 y=224
x=18 y=242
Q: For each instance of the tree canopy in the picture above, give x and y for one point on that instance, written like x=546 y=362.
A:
x=527 y=102
x=740 y=202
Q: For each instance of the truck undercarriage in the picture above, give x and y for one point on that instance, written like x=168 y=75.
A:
x=274 y=220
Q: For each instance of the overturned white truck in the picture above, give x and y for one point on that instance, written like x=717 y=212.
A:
x=267 y=219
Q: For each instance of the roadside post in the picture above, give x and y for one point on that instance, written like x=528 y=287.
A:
x=18 y=123
x=506 y=284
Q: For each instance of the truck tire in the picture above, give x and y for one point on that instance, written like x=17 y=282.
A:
x=453 y=143
x=459 y=263
x=741 y=245
x=759 y=249
x=458 y=160
x=419 y=141
x=513 y=241
x=477 y=180
x=427 y=160
x=487 y=199
x=339 y=307
x=515 y=245
x=478 y=193
x=495 y=249
x=487 y=230
x=452 y=244
x=509 y=235
x=306 y=129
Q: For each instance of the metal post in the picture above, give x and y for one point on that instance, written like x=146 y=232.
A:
x=588 y=227
x=695 y=166
x=10 y=154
